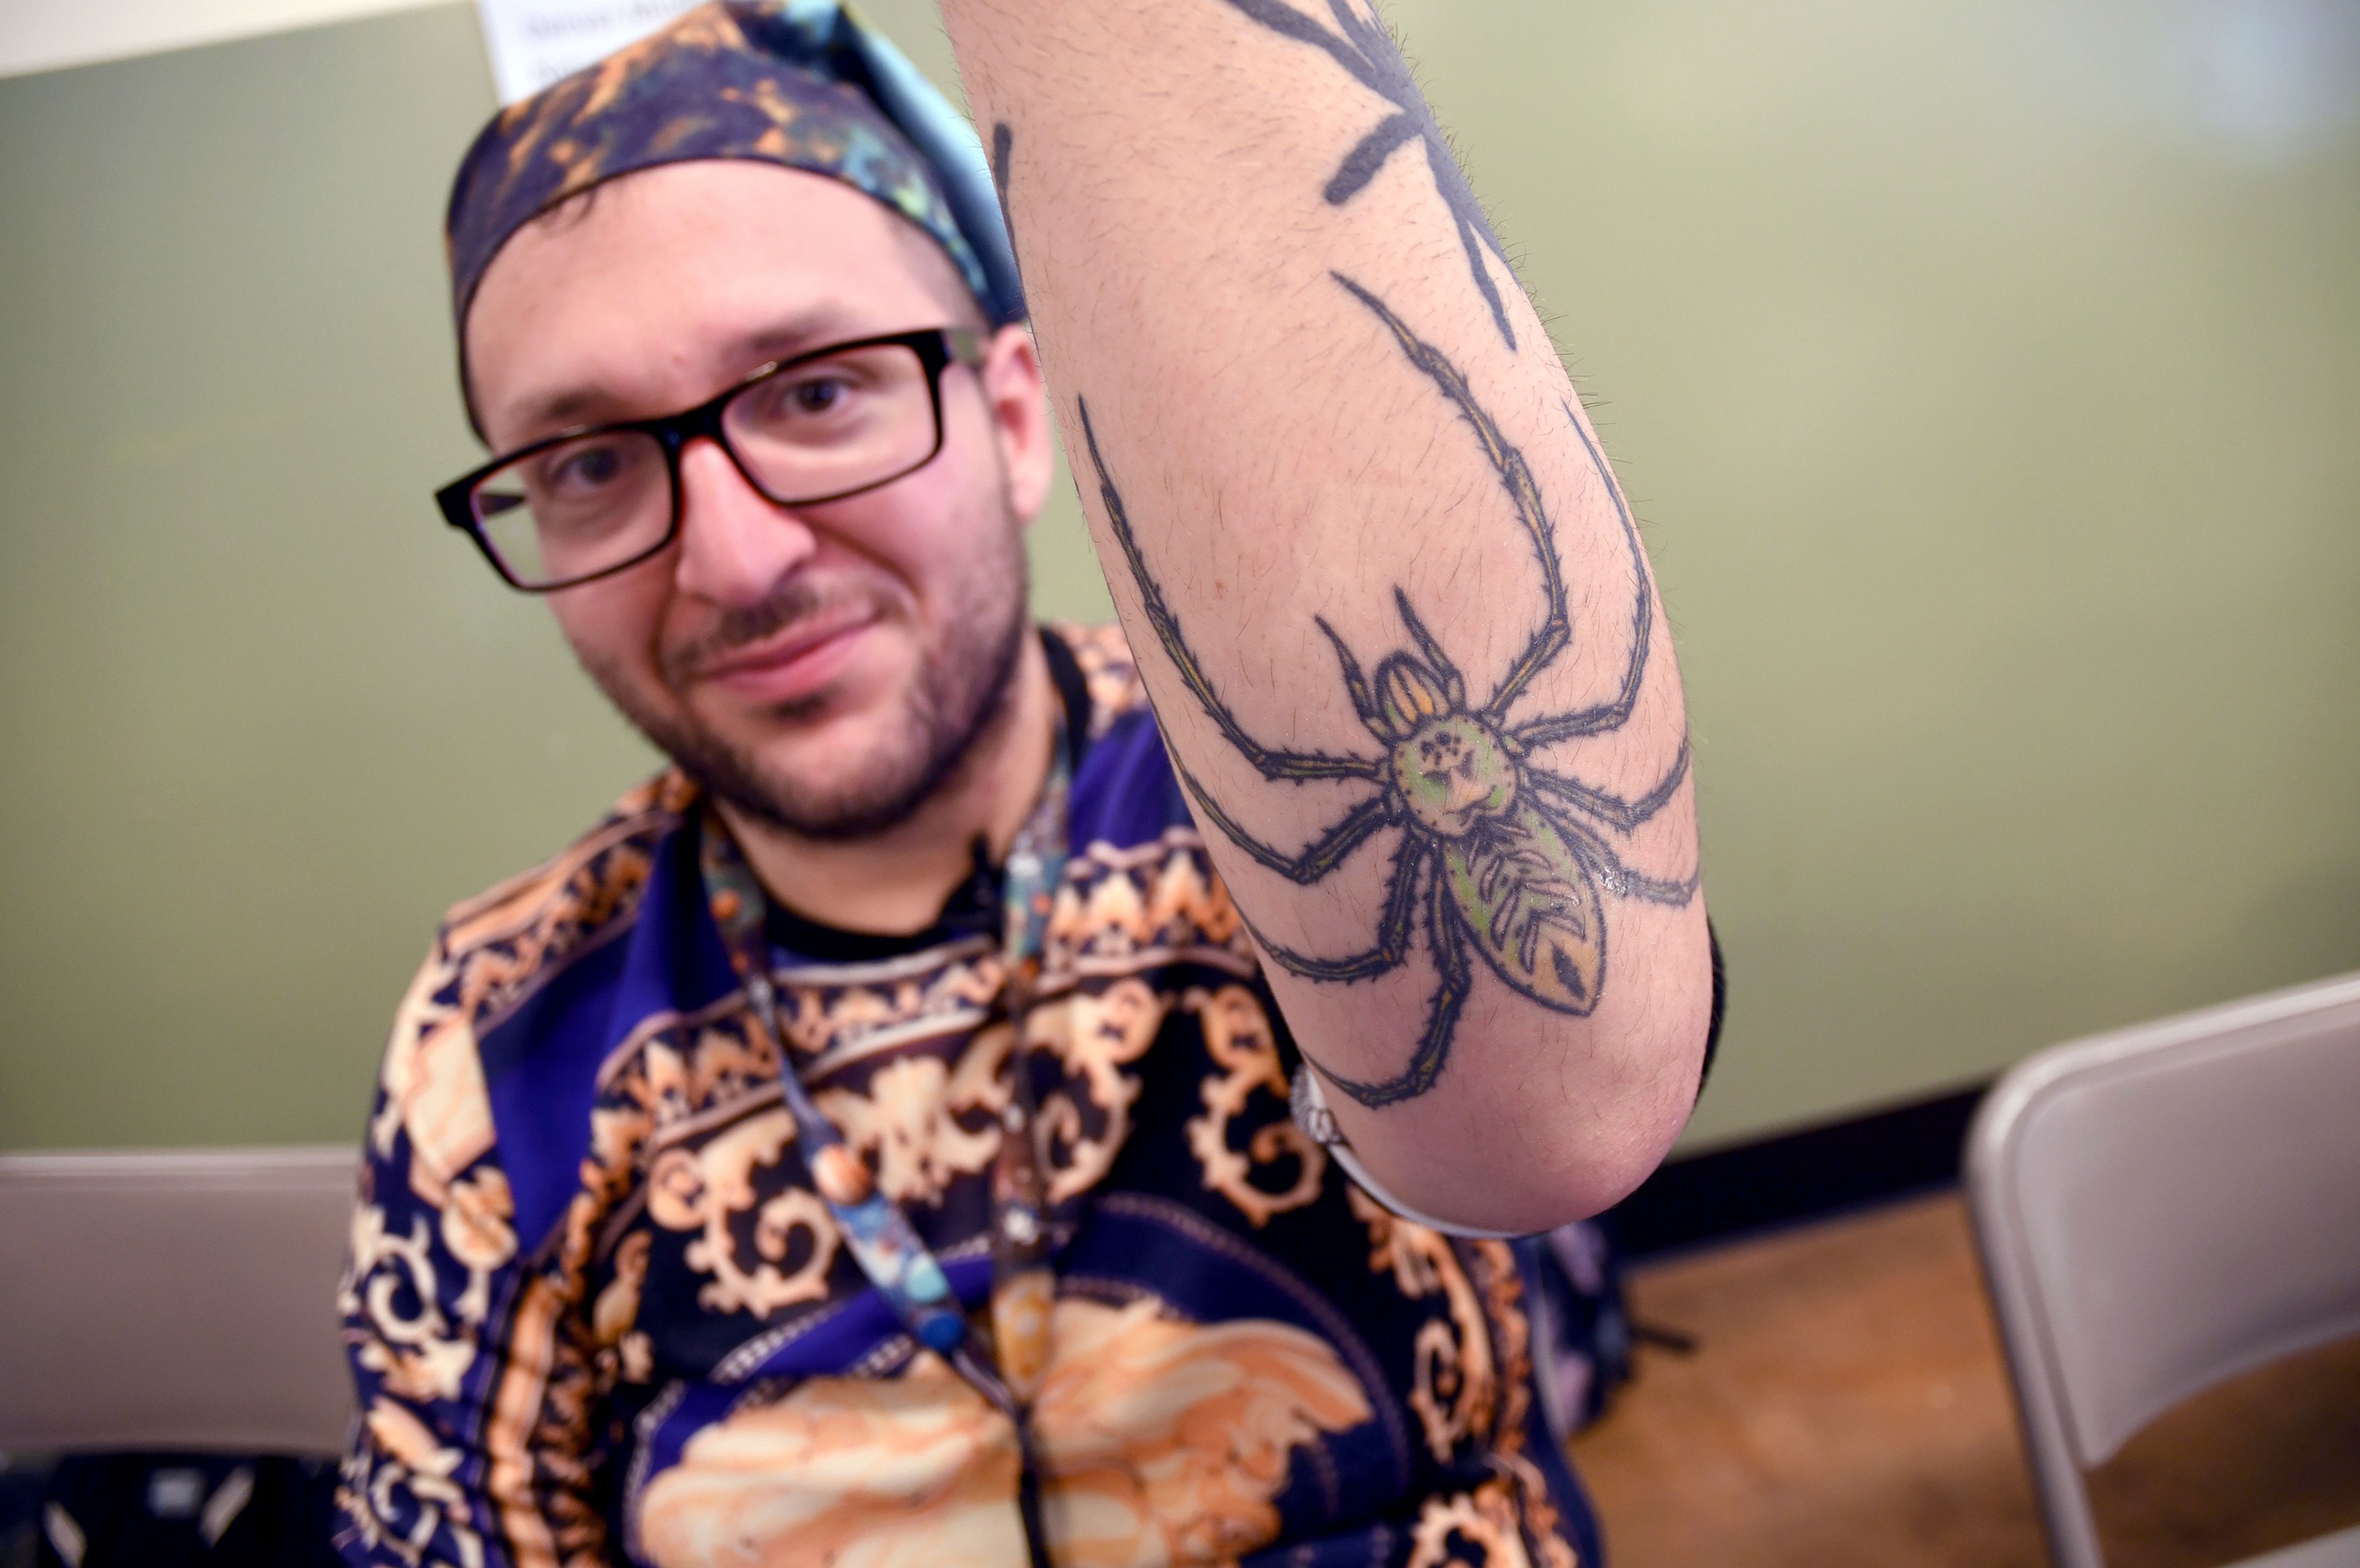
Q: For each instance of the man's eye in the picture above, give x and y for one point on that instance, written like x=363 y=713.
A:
x=818 y=395
x=591 y=468
x=584 y=471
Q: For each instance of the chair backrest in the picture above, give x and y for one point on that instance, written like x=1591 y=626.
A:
x=181 y=1299
x=2162 y=1208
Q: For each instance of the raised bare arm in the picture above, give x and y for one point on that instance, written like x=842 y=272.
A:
x=1390 y=604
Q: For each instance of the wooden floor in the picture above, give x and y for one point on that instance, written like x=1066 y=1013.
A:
x=1848 y=1405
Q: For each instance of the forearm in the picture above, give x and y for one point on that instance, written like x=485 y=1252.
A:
x=1399 y=628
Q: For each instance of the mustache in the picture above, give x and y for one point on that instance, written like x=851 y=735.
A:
x=796 y=601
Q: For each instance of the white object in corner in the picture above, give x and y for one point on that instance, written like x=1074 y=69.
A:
x=534 y=42
x=51 y=35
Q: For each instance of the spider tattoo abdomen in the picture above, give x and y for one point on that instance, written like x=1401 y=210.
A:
x=1497 y=852
x=1516 y=884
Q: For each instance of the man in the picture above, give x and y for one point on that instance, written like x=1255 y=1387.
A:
x=883 y=1140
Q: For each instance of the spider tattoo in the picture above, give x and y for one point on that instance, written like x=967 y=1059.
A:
x=1496 y=852
x=1367 y=50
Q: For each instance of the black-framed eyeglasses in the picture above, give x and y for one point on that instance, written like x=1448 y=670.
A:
x=820 y=427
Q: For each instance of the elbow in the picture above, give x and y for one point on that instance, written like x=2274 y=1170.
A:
x=1579 y=1163
x=1561 y=1124
x=1541 y=1117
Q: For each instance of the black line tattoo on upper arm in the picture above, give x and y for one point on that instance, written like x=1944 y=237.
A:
x=1003 y=147
x=1502 y=847
x=1367 y=49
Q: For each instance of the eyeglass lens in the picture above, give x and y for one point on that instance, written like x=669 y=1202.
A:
x=809 y=432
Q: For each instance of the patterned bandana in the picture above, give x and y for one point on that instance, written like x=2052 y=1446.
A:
x=800 y=83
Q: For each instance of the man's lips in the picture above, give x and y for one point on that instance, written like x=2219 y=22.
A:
x=794 y=663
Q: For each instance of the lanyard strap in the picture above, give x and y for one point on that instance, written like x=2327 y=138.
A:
x=875 y=1231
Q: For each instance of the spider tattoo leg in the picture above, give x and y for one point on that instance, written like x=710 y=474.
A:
x=1606 y=715
x=1458 y=977
x=1368 y=155
x=1454 y=685
x=1460 y=197
x=1270 y=762
x=1613 y=809
x=1356 y=684
x=1288 y=22
x=1369 y=54
x=1326 y=853
x=1617 y=877
x=1515 y=476
x=1393 y=932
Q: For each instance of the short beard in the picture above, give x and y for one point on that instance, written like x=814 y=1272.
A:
x=960 y=692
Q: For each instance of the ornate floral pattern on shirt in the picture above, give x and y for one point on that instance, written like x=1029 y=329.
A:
x=598 y=1313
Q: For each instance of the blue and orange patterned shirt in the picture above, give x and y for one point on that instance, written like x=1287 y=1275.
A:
x=598 y=1313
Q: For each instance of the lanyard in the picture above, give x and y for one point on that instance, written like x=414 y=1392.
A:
x=1006 y=1368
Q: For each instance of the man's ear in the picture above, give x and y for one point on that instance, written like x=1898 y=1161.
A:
x=1019 y=402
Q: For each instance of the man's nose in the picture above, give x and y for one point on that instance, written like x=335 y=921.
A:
x=735 y=542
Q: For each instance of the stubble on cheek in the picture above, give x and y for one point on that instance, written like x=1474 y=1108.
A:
x=946 y=699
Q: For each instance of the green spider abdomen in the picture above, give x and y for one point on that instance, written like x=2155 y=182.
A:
x=1532 y=908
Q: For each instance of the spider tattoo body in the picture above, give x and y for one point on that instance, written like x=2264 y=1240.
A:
x=1497 y=853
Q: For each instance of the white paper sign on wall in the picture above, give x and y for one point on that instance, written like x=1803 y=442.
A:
x=534 y=42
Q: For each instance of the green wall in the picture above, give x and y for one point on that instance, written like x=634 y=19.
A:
x=1986 y=372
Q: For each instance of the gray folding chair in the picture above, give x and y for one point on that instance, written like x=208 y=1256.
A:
x=179 y=1300
x=2161 y=1209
